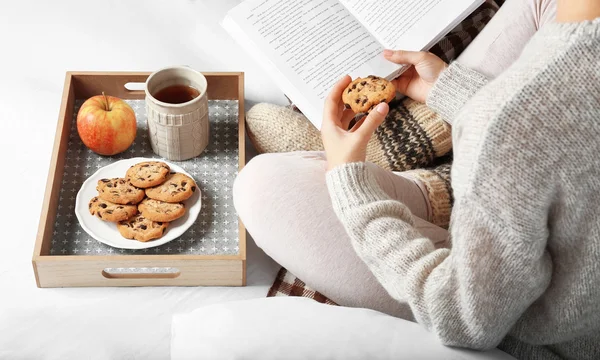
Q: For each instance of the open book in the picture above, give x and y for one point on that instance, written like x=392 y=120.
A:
x=308 y=45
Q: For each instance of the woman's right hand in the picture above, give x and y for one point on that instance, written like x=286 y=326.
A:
x=417 y=81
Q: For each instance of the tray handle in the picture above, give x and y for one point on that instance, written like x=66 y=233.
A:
x=141 y=273
x=135 y=89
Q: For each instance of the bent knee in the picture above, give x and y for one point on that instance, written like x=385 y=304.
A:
x=261 y=170
x=268 y=171
x=269 y=179
x=251 y=186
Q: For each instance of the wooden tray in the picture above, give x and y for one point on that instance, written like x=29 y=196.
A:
x=94 y=270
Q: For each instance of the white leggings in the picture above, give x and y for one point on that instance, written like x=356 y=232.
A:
x=284 y=203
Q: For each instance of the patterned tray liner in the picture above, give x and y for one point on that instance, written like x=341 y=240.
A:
x=215 y=232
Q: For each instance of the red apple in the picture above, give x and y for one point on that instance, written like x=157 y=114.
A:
x=106 y=124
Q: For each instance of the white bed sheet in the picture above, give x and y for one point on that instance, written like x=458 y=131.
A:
x=41 y=40
x=106 y=323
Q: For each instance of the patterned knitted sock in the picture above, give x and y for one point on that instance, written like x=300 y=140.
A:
x=412 y=136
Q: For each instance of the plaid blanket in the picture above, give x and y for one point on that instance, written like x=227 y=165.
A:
x=286 y=283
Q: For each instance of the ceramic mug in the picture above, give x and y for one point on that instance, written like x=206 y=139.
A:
x=177 y=111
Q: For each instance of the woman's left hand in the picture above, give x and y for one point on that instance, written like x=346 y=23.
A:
x=344 y=146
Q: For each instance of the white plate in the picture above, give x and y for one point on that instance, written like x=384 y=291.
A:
x=106 y=232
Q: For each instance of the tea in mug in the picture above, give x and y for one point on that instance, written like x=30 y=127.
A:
x=177 y=94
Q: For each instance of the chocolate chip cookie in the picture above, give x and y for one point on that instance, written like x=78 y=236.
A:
x=108 y=211
x=363 y=94
x=119 y=191
x=148 y=174
x=177 y=188
x=141 y=229
x=157 y=210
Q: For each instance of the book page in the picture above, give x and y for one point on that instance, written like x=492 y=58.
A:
x=410 y=24
x=307 y=46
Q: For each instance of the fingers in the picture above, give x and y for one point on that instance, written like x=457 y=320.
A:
x=405 y=57
x=366 y=127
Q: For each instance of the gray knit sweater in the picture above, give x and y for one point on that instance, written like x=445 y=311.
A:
x=524 y=269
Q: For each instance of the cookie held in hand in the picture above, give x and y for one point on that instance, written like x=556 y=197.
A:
x=141 y=229
x=363 y=94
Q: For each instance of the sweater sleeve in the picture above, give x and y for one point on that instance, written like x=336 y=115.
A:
x=469 y=296
x=455 y=86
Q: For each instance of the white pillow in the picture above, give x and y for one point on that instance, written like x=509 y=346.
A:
x=300 y=328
